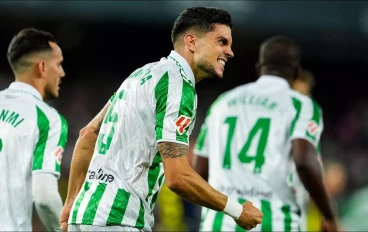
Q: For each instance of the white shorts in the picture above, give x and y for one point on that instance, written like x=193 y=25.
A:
x=77 y=228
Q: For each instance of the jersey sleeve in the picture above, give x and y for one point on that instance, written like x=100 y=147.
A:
x=52 y=138
x=308 y=122
x=175 y=109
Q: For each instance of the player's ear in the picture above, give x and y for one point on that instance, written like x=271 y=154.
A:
x=190 y=42
x=41 y=68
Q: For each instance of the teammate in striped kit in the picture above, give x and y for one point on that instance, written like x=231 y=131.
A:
x=32 y=134
x=247 y=138
x=304 y=84
x=145 y=133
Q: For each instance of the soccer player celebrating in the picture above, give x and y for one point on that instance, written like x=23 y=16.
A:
x=142 y=136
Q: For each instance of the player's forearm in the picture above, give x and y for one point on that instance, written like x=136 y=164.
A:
x=310 y=174
x=190 y=186
x=83 y=153
x=80 y=162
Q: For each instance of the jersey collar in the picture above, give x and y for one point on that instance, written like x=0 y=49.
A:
x=273 y=80
x=26 y=88
x=185 y=69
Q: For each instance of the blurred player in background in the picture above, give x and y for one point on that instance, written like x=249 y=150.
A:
x=145 y=133
x=304 y=84
x=32 y=133
x=245 y=143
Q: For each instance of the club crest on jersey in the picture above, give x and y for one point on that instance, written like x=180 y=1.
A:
x=58 y=153
x=182 y=123
x=313 y=128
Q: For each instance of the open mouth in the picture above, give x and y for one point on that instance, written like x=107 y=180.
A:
x=222 y=62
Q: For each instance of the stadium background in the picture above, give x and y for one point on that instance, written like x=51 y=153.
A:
x=104 y=41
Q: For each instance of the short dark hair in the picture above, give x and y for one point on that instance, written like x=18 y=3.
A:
x=26 y=42
x=279 y=54
x=200 y=18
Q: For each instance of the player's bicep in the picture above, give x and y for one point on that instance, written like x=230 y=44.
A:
x=51 y=141
x=172 y=150
x=175 y=160
x=175 y=109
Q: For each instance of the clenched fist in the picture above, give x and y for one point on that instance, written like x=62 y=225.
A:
x=250 y=217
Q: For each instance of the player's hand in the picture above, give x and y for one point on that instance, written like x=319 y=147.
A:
x=250 y=217
x=64 y=216
x=328 y=226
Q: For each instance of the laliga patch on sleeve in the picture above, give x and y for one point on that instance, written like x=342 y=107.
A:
x=182 y=123
x=58 y=154
x=313 y=128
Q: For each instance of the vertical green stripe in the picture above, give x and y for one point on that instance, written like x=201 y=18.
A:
x=140 y=220
x=287 y=218
x=153 y=173
x=118 y=208
x=154 y=197
x=186 y=108
x=87 y=186
x=62 y=139
x=90 y=212
x=297 y=105
x=43 y=125
x=201 y=138
x=161 y=93
x=217 y=222
x=267 y=215
x=316 y=117
x=238 y=228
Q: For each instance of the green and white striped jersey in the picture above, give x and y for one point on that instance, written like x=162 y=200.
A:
x=32 y=139
x=156 y=103
x=247 y=137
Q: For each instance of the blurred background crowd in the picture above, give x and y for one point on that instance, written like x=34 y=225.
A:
x=104 y=41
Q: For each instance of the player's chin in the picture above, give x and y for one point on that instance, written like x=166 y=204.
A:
x=219 y=74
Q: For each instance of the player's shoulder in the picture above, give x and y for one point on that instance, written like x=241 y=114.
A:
x=48 y=111
x=300 y=97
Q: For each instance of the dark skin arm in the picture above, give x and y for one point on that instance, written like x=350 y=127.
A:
x=200 y=165
x=310 y=173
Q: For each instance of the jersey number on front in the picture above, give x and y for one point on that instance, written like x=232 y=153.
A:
x=261 y=126
x=111 y=119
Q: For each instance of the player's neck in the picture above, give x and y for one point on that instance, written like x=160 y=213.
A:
x=188 y=56
x=289 y=80
x=36 y=83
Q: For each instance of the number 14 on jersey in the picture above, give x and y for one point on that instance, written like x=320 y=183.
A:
x=262 y=125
